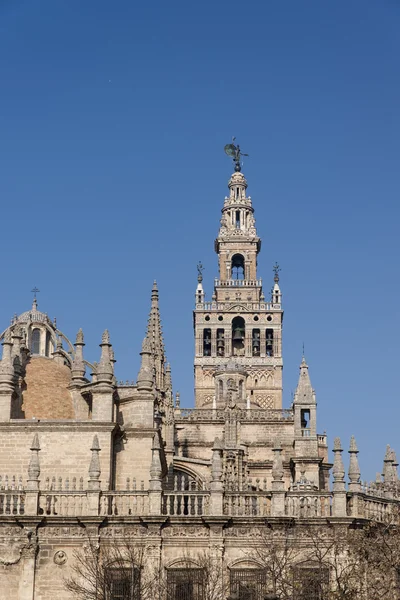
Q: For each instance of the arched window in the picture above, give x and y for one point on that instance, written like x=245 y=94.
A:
x=238 y=336
x=237 y=266
x=35 y=341
x=241 y=389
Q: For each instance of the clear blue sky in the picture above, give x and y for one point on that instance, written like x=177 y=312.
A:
x=113 y=118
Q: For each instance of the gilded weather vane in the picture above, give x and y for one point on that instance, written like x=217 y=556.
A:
x=234 y=152
x=276 y=268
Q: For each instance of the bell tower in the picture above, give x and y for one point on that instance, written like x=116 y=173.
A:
x=238 y=335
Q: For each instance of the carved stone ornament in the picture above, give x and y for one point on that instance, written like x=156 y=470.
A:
x=16 y=543
x=60 y=557
x=175 y=531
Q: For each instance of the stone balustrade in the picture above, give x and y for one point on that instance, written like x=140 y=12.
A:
x=247 y=504
x=308 y=505
x=70 y=497
x=243 y=415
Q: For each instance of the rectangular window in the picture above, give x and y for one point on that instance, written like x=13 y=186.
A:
x=207 y=342
x=310 y=583
x=185 y=584
x=122 y=583
x=248 y=584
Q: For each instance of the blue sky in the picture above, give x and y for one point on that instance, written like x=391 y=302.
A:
x=113 y=118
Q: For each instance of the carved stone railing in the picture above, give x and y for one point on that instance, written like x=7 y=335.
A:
x=124 y=503
x=369 y=507
x=12 y=496
x=243 y=415
x=238 y=283
x=247 y=504
x=190 y=504
x=308 y=505
x=63 y=503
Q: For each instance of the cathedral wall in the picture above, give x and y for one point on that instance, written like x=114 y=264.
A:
x=133 y=458
x=65 y=450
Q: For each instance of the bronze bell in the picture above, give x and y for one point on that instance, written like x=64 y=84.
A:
x=238 y=334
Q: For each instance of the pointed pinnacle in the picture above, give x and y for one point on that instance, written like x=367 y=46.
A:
x=35 y=442
x=79 y=337
x=105 y=338
x=337 y=444
x=353 y=444
x=95 y=443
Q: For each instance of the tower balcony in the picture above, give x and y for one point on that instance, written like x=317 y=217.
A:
x=238 y=283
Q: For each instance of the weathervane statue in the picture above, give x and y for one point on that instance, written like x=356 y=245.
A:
x=234 y=152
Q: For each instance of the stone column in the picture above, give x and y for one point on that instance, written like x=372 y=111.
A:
x=93 y=492
x=355 y=478
x=155 y=488
x=32 y=490
x=278 y=486
x=216 y=485
x=339 y=487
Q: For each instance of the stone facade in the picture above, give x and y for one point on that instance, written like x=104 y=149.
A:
x=85 y=459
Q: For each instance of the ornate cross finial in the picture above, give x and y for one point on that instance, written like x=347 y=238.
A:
x=200 y=270
x=276 y=268
x=34 y=292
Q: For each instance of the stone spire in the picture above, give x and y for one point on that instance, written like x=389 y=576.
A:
x=78 y=366
x=145 y=378
x=338 y=467
x=394 y=466
x=304 y=393
x=16 y=348
x=387 y=473
x=105 y=368
x=155 y=337
x=354 y=469
x=276 y=298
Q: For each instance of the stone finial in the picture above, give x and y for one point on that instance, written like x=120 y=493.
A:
x=155 y=468
x=178 y=400
x=145 y=376
x=79 y=338
x=354 y=469
x=94 y=467
x=105 y=372
x=338 y=467
x=34 y=466
x=78 y=367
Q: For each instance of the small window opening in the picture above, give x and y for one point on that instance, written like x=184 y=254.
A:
x=207 y=342
x=269 y=342
x=122 y=583
x=238 y=336
x=241 y=389
x=305 y=421
x=35 y=342
x=237 y=192
x=237 y=219
x=237 y=266
x=256 y=342
x=48 y=343
x=220 y=342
